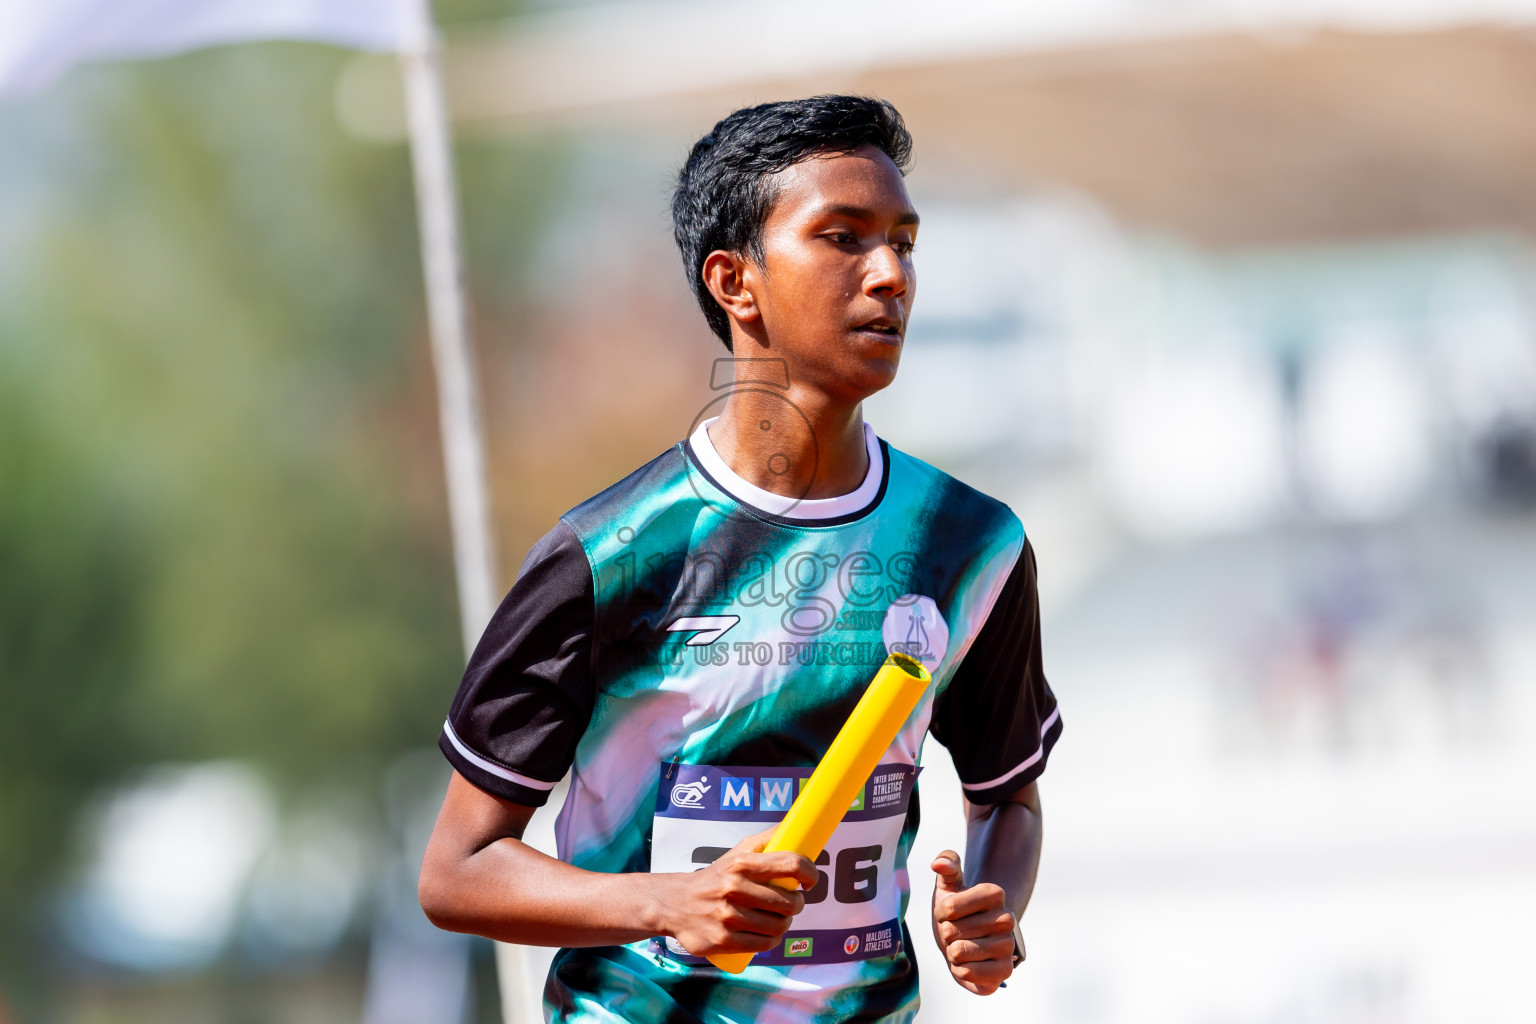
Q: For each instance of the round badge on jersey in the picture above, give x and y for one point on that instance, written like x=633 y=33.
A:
x=914 y=626
x=851 y=945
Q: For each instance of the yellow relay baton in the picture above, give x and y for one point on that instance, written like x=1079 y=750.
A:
x=852 y=757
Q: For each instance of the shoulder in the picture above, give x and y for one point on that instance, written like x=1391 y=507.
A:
x=556 y=555
x=961 y=508
x=658 y=484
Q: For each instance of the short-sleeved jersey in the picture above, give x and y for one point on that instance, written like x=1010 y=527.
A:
x=687 y=645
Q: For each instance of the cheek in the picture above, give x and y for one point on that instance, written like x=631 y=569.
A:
x=814 y=287
x=838 y=284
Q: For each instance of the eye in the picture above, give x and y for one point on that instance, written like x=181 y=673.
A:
x=905 y=248
x=843 y=237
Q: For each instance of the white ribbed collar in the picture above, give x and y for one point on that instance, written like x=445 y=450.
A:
x=783 y=505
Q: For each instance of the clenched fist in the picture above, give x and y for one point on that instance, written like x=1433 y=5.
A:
x=729 y=906
x=973 y=927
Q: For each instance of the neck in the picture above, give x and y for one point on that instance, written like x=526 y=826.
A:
x=797 y=441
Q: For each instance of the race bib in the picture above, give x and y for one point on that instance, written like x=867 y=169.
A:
x=853 y=913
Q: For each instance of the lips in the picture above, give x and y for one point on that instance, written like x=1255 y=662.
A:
x=889 y=328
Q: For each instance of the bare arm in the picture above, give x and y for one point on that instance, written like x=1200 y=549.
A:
x=478 y=876
x=1002 y=845
x=974 y=926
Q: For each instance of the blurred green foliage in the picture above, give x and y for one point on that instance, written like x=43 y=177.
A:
x=222 y=529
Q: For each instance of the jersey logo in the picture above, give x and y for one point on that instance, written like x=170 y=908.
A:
x=914 y=625
x=706 y=629
x=917 y=636
x=690 y=794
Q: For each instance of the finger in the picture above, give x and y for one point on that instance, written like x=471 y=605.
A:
x=979 y=983
x=779 y=864
x=980 y=925
x=975 y=900
x=969 y=951
x=746 y=942
x=758 y=922
x=982 y=977
x=951 y=876
x=769 y=898
x=755 y=842
x=974 y=926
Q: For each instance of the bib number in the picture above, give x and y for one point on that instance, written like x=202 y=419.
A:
x=853 y=911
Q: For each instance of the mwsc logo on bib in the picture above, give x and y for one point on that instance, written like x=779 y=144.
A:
x=690 y=794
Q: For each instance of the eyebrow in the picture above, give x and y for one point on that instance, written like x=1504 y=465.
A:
x=863 y=213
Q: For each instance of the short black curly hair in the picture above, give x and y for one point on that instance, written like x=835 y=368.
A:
x=722 y=197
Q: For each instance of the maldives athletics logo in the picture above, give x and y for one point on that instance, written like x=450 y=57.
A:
x=851 y=945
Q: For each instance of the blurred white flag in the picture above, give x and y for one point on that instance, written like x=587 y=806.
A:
x=42 y=39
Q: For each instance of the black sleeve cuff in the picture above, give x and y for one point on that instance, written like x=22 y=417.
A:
x=996 y=790
x=495 y=779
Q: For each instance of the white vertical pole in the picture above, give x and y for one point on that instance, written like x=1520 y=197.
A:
x=458 y=396
x=458 y=399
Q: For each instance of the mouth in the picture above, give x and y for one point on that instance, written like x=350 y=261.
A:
x=884 y=328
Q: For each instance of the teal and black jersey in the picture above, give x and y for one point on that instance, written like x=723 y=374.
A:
x=686 y=645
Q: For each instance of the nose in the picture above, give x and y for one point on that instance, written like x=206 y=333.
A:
x=886 y=275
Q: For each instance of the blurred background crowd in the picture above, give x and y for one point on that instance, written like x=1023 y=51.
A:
x=1234 y=303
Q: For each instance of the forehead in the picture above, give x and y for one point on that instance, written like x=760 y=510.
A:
x=865 y=179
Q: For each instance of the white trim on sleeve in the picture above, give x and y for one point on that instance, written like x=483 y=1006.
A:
x=490 y=766
x=1045 y=727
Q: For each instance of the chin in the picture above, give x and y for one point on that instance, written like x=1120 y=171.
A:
x=871 y=375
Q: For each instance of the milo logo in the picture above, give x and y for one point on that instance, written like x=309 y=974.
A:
x=797 y=947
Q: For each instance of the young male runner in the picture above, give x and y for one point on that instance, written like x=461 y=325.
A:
x=687 y=643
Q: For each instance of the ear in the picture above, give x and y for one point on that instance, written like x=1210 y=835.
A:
x=726 y=275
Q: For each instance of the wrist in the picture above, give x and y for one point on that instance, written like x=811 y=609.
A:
x=656 y=905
